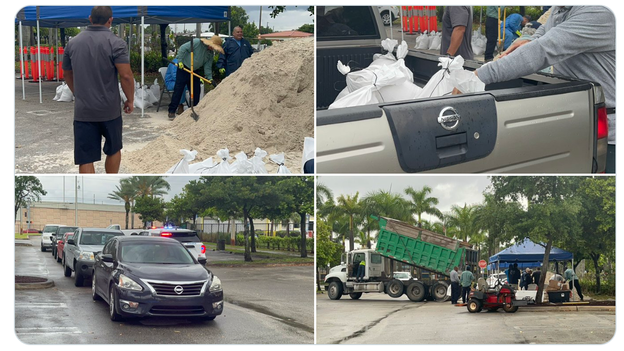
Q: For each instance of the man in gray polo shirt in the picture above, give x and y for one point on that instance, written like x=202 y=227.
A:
x=91 y=63
x=579 y=42
x=457 y=32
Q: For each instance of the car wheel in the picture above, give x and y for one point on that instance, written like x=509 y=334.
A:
x=335 y=291
x=79 y=279
x=475 y=306
x=112 y=305
x=386 y=18
x=395 y=288
x=58 y=258
x=94 y=294
x=54 y=254
x=66 y=270
x=355 y=295
x=42 y=248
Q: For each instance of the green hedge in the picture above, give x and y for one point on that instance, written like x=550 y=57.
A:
x=607 y=287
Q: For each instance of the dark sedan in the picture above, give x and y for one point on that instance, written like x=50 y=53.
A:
x=152 y=276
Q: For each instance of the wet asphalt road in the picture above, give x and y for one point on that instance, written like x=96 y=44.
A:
x=44 y=141
x=66 y=314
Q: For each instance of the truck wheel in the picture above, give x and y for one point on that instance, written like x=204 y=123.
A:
x=66 y=270
x=439 y=291
x=355 y=295
x=335 y=291
x=475 y=306
x=415 y=291
x=395 y=288
x=510 y=308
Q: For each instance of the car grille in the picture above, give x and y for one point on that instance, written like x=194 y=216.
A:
x=169 y=288
x=177 y=310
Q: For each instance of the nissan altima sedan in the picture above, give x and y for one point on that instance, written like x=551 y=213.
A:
x=152 y=276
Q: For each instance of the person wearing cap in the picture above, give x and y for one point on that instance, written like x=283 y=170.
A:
x=465 y=280
x=203 y=53
x=91 y=63
x=236 y=50
x=512 y=26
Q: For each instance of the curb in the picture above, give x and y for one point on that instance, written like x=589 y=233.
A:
x=34 y=286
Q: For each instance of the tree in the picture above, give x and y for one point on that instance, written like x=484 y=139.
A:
x=386 y=204
x=492 y=217
x=463 y=219
x=27 y=189
x=238 y=18
x=279 y=9
x=302 y=191
x=420 y=203
x=307 y=28
x=550 y=210
x=327 y=252
x=150 y=209
x=351 y=207
x=250 y=32
x=150 y=185
x=126 y=193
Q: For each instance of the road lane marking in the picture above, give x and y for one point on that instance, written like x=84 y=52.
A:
x=48 y=330
x=41 y=305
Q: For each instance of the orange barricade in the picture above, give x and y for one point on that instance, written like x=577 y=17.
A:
x=404 y=19
x=24 y=71
x=424 y=19
x=433 y=18
x=51 y=58
x=33 y=63
x=61 y=51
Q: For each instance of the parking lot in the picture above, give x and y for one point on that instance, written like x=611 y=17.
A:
x=380 y=319
x=66 y=314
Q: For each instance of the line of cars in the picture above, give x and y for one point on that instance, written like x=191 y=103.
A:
x=159 y=272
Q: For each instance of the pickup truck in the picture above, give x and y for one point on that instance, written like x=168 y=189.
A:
x=430 y=255
x=127 y=231
x=540 y=123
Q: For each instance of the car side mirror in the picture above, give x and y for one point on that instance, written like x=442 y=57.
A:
x=71 y=242
x=107 y=257
x=202 y=261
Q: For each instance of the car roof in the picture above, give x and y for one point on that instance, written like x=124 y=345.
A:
x=102 y=230
x=146 y=239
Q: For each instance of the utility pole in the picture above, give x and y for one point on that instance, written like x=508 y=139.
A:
x=259 y=28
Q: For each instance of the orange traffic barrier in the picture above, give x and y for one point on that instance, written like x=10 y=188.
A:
x=61 y=51
x=404 y=19
x=33 y=63
x=433 y=18
x=24 y=64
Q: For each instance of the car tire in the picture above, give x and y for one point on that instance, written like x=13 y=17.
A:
x=94 y=294
x=54 y=254
x=335 y=291
x=395 y=288
x=475 y=306
x=415 y=291
x=112 y=305
x=79 y=282
x=355 y=295
x=43 y=248
x=58 y=258
x=386 y=18
x=66 y=270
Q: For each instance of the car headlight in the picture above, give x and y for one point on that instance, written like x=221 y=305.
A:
x=86 y=256
x=216 y=284
x=127 y=283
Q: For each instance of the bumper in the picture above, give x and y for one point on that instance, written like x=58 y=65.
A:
x=46 y=243
x=209 y=305
x=85 y=268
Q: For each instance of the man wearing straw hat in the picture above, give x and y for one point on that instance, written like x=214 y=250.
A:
x=203 y=55
x=91 y=63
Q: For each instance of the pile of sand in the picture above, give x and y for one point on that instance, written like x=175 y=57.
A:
x=268 y=103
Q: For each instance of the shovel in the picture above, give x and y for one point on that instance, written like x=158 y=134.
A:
x=194 y=115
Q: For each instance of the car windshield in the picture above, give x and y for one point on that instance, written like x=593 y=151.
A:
x=96 y=238
x=183 y=237
x=63 y=230
x=50 y=229
x=156 y=253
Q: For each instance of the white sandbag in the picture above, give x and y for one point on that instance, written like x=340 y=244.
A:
x=59 y=91
x=466 y=81
x=308 y=151
x=440 y=83
x=436 y=41
x=402 y=50
x=182 y=167
x=150 y=95
x=66 y=94
x=224 y=166
x=478 y=42
x=203 y=167
x=242 y=165
x=155 y=89
x=279 y=160
x=423 y=41
x=257 y=163
x=142 y=99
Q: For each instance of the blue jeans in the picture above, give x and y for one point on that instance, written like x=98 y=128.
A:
x=361 y=272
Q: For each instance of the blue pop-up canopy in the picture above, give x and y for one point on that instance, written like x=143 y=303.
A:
x=529 y=254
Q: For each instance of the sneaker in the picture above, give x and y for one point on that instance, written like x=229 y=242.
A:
x=171 y=116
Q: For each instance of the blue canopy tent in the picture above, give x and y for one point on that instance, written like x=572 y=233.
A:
x=527 y=254
x=78 y=16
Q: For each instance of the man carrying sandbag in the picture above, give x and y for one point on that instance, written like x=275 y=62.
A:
x=202 y=57
x=91 y=63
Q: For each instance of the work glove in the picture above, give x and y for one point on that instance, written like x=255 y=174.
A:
x=180 y=65
x=209 y=81
x=222 y=70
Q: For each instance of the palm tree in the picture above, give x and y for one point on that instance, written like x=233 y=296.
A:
x=324 y=201
x=463 y=219
x=150 y=185
x=126 y=193
x=420 y=203
x=386 y=204
x=340 y=226
x=350 y=206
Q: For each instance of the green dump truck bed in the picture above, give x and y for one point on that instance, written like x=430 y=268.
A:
x=422 y=248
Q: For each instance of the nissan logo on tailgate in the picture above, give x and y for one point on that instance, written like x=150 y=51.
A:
x=449 y=121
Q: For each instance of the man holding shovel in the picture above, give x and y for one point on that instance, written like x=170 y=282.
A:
x=202 y=56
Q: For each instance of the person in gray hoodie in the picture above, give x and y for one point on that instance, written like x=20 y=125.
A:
x=579 y=42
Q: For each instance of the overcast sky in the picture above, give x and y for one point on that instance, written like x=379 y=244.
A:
x=98 y=187
x=450 y=190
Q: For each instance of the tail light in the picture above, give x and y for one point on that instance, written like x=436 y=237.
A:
x=167 y=234
x=603 y=126
x=203 y=249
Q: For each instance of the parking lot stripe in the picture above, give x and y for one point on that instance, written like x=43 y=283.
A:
x=48 y=330
x=41 y=305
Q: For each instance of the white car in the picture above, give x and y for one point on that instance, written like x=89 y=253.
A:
x=491 y=280
x=46 y=236
x=403 y=276
x=188 y=238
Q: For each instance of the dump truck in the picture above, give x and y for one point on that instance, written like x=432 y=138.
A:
x=539 y=123
x=430 y=255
